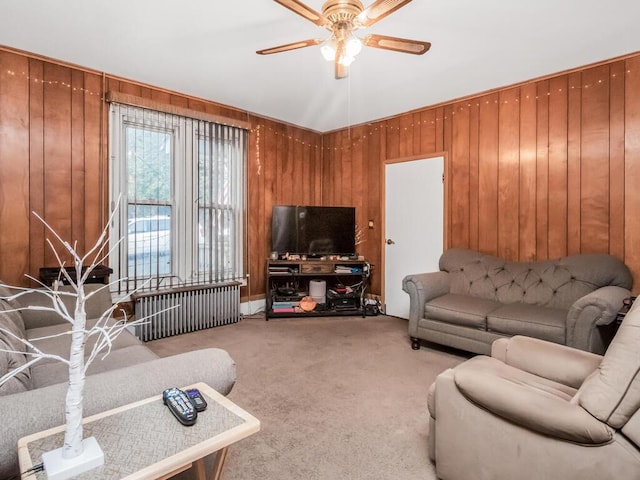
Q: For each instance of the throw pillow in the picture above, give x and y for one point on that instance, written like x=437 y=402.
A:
x=11 y=321
x=8 y=362
x=6 y=292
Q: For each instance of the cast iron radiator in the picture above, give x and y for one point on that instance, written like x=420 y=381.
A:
x=186 y=309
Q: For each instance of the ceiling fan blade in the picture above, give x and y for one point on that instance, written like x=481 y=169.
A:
x=396 y=44
x=378 y=10
x=304 y=11
x=290 y=46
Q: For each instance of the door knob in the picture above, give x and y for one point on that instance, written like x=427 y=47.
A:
x=390 y=242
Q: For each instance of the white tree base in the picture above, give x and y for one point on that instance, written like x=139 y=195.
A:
x=59 y=468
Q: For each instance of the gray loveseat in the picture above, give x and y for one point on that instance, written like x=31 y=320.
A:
x=34 y=400
x=475 y=299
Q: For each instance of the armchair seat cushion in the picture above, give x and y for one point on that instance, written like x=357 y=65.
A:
x=461 y=310
x=530 y=320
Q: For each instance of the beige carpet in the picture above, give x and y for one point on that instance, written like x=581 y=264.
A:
x=337 y=398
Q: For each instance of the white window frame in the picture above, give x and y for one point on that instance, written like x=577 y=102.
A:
x=185 y=206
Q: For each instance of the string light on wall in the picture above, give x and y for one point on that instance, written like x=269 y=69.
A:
x=283 y=135
x=257 y=130
x=454 y=109
x=374 y=130
x=41 y=81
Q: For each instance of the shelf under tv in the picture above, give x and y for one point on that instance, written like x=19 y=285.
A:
x=314 y=313
x=296 y=275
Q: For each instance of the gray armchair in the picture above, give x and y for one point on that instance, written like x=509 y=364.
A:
x=536 y=409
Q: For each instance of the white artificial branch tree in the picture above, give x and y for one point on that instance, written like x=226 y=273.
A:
x=78 y=362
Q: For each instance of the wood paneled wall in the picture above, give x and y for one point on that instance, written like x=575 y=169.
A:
x=536 y=171
x=284 y=169
x=54 y=161
x=50 y=123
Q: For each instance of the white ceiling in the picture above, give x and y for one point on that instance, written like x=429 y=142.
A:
x=206 y=48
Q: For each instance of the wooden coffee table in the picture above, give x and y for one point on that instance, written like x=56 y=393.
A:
x=143 y=440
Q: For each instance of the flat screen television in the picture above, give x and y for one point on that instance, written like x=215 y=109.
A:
x=313 y=231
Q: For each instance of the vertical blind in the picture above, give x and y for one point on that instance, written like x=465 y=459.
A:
x=179 y=183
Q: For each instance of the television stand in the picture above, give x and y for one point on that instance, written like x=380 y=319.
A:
x=287 y=282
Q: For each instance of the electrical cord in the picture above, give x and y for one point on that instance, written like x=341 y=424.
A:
x=31 y=471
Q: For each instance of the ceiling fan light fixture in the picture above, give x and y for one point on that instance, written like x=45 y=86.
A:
x=353 y=45
x=342 y=18
x=346 y=60
x=328 y=49
x=349 y=46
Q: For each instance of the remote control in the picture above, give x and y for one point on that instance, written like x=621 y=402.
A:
x=197 y=399
x=180 y=405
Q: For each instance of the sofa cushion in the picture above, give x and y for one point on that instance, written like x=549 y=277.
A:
x=10 y=361
x=11 y=326
x=56 y=339
x=461 y=310
x=99 y=302
x=529 y=320
x=44 y=374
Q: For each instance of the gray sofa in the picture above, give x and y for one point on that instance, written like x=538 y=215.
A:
x=476 y=299
x=34 y=400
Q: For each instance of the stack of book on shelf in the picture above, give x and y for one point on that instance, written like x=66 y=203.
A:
x=347 y=269
x=281 y=270
x=284 y=307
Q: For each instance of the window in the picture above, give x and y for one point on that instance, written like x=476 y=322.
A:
x=181 y=184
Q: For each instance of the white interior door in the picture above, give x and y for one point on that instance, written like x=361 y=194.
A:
x=414 y=225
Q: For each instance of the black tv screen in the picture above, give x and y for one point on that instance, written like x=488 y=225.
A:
x=313 y=231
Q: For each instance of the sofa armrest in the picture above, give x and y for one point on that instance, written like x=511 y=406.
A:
x=566 y=365
x=36 y=410
x=421 y=288
x=531 y=407
x=598 y=308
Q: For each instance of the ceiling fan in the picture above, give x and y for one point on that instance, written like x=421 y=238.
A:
x=342 y=18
